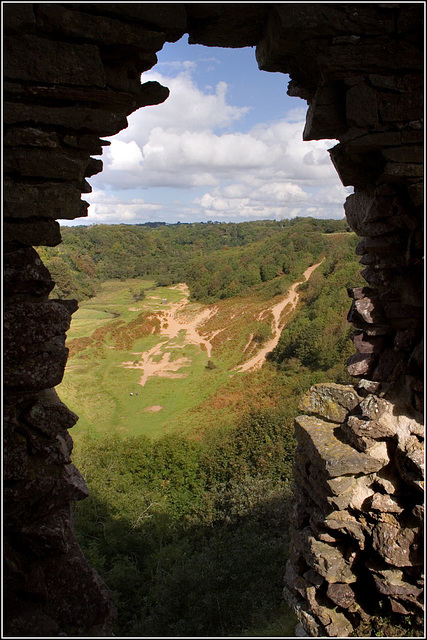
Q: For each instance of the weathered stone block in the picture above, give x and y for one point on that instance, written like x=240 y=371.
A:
x=37 y=59
x=327 y=452
x=47 y=199
x=329 y=400
x=32 y=232
x=30 y=137
x=397 y=546
x=325 y=559
x=380 y=245
x=50 y=415
x=361 y=364
x=367 y=310
x=24 y=272
x=385 y=503
x=44 y=321
x=341 y=594
x=46 y=163
x=325 y=117
x=84 y=119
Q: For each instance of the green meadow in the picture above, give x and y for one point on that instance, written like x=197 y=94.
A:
x=96 y=385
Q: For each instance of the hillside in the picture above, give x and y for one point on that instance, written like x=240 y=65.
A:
x=216 y=260
x=185 y=431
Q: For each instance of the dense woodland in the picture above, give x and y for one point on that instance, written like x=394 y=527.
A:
x=216 y=260
x=191 y=533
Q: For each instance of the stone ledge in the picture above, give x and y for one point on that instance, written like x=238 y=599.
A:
x=328 y=452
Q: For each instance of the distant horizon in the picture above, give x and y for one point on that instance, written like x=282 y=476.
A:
x=179 y=222
x=226 y=145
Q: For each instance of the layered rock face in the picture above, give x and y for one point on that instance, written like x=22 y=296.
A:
x=72 y=75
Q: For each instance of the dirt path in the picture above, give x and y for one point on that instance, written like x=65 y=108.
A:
x=157 y=361
x=291 y=298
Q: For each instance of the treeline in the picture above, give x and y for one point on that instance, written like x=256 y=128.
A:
x=215 y=259
x=187 y=534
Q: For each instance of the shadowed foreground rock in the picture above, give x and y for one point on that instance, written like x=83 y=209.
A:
x=72 y=75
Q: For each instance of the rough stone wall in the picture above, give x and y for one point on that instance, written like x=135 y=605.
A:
x=72 y=75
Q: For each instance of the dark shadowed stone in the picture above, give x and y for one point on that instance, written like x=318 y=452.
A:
x=357 y=293
x=416 y=193
x=55 y=19
x=47 y=163
x=368 y=344
x=380 y=245
x=365 y=142
x=77 y=597
x=331 y=455
x=238 y=25
x=48 y=536
x=387 y=366
x=402 y=170
x=14 y=457
x=329 y=400
x=44 y=320
x=404 y=154
x=169 y=17
x=50 y=415
x=40 y=624
x=40 y=60
x=32 y=232
x=84 y=119
x=40 y=371
x=48 y=199
x=341 y=594
x=18 y=16
x=152 y=93
x=24 y=272
x=324 y=117
x=93 y=167
x=361 y=106
x=30 y=137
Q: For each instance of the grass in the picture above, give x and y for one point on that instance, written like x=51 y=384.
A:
x=98 y=388
x=113 y=328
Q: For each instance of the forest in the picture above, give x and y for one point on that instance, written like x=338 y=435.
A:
x=216 y=260
x=189 y=530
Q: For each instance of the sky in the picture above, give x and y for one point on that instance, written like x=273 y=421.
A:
x=225 y=146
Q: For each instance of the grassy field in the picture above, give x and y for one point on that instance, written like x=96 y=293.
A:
x=106 y=331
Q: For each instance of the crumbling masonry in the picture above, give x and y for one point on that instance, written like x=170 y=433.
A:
x=72 y=74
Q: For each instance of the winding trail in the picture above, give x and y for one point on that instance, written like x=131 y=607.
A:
x=157 y=361
x=291 y=298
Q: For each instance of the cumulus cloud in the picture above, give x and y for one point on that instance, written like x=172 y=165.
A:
x=107 y=208
x=196 y=139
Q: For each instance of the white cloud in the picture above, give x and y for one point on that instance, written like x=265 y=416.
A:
x=107 y=208
x=190 y=142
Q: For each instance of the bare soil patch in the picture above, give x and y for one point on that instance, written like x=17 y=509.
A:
x=154 y=408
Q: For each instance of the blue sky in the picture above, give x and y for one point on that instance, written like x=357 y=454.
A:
x=226 y=145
